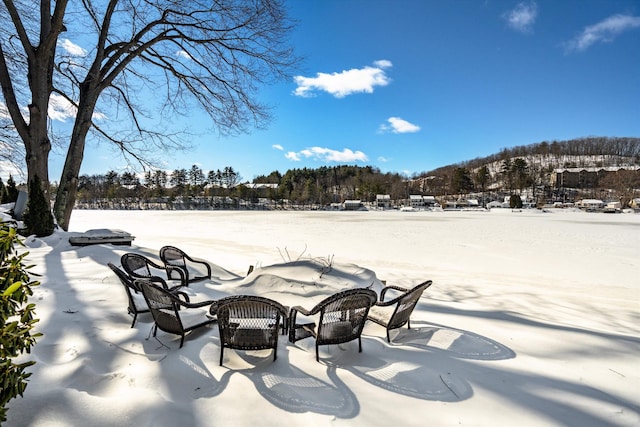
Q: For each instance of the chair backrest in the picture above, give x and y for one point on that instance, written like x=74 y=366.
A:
x=139 y=266
x=163 y=308
x=172 y=256
x=124 y=277
x=249 y=322
x=127 y=282
x=405 y=305
x=342 y=315
x=135 y=265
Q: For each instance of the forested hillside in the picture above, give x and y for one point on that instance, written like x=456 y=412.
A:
x=525 y=170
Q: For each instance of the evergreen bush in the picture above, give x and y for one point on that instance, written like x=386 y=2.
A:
x=16 y=318
x=3 y=192
x=38 y=218
x=12 y=191
x=515 y=201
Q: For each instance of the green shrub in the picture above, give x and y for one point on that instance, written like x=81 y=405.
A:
x=38 y=218
x=16 y=318
x=3 y=193
x=515 y=202
x=11 y=191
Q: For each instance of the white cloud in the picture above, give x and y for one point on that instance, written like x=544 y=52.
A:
x=292 y=155
x=522 y=17
x=60 y=109
x=398 y=125
x=71 y=48
x=356 y=80
x=183 y=54
x=328 y=155
x=383 y=63
x=604 y=31
x=277 y=147
x=383 y=159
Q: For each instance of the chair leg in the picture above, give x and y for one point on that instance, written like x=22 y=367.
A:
x=388 y=337
x=182 y=340
x=359 y=345
x=134 y=319
x=221 y=354
x=317 y=354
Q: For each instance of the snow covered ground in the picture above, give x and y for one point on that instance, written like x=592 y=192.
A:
x=533 y=319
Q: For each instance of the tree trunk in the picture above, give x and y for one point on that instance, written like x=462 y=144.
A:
x=37 y=149
x=68 y=188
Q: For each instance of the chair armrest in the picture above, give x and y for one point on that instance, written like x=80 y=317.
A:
x=179 y=294
x=154 y=265
x=298 y=332
x=199 y=304
x=183 y=275
x=392 y=287
x=206 y=264
x=299 y=309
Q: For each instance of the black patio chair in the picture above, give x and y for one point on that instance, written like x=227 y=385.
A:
x=341 y=318
x=248 y=322
x=396 y=312
x=193 y=269
x=173 y=312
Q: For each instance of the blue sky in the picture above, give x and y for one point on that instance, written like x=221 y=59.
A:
x=411 y=85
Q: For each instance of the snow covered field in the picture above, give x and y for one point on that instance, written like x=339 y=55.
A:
x=533 y=319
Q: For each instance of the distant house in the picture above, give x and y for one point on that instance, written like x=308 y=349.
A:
x=416 y=201
x=613 y=207
x=352 y=205
x=429 y=201
x=383 y=201
x=590 y=204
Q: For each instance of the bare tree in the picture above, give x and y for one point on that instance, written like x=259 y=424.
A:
x=212 y=53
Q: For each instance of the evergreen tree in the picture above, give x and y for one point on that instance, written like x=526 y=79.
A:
x=515 y=202
x=38 y=218
x=3 y=193
x=482 y=177
x=12 y=190
x=462 y=182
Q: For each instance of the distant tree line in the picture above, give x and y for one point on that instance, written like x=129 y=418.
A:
x=158 y=184
x=525 y=171
x=321 y=186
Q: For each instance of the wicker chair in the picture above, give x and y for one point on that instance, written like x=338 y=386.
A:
x=172 y=311
x=137 y=303
x=395 y=313
x=193 y=269
x=140 y=267
x=341 y=318
x=248 y=322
